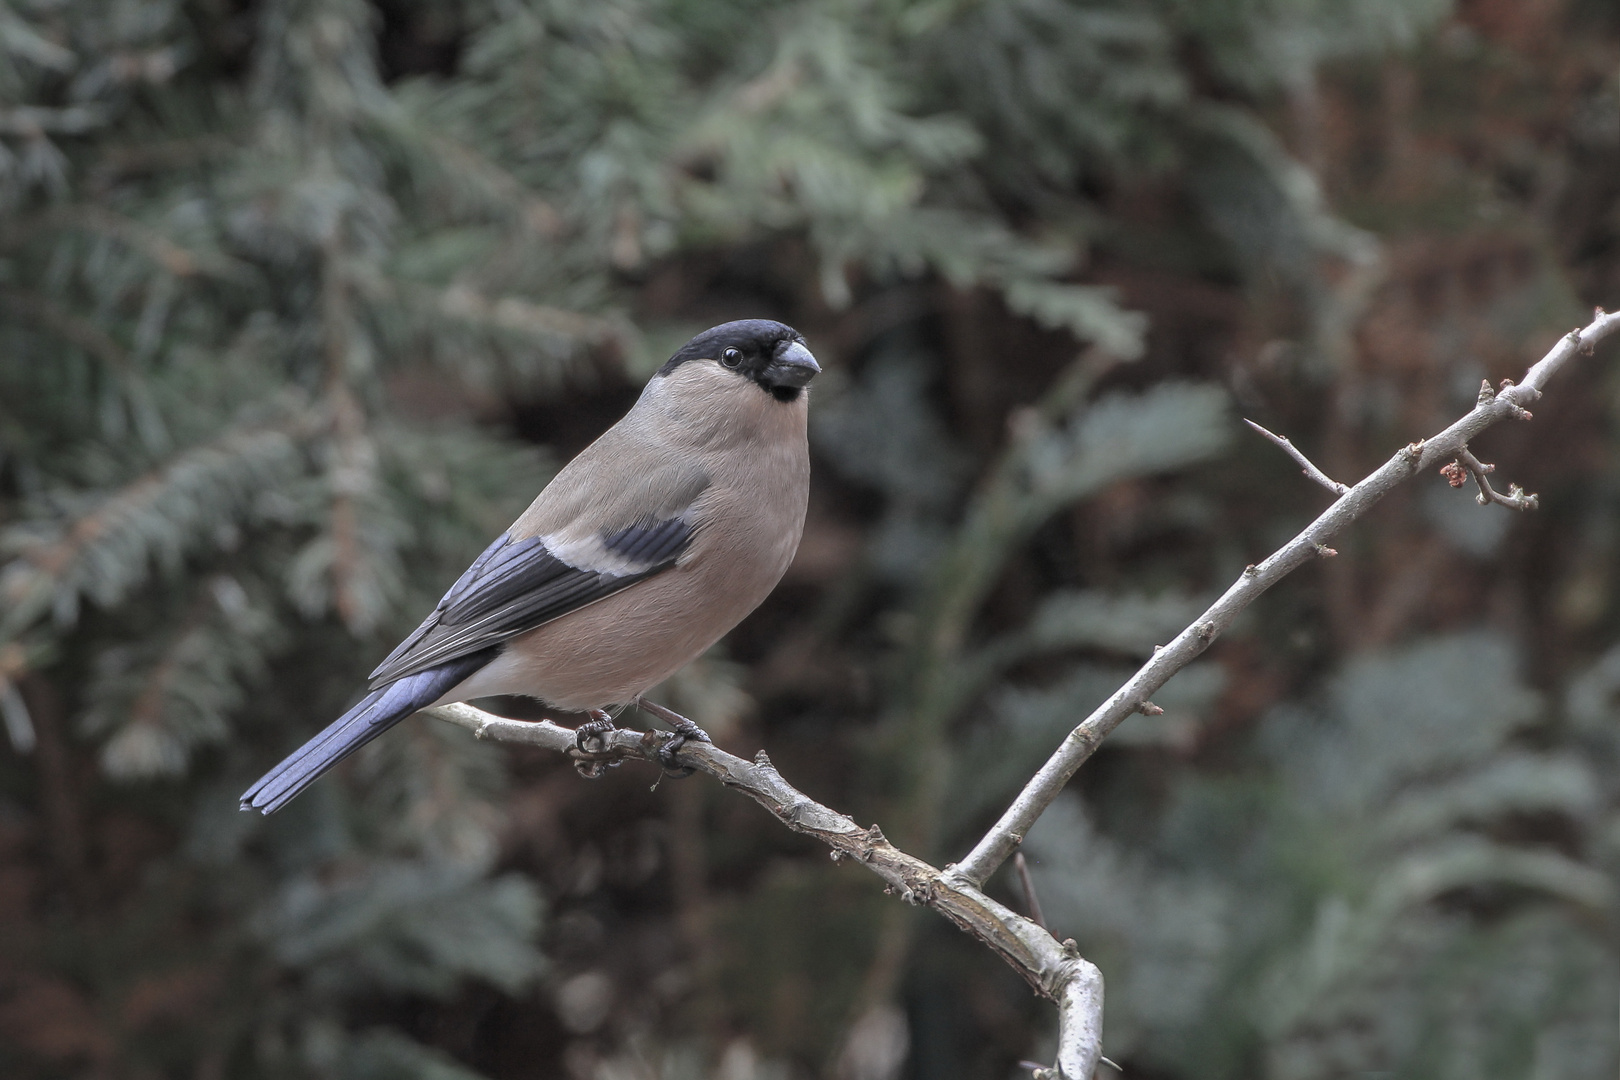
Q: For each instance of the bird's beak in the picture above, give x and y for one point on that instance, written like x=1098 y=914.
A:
x=791 y=366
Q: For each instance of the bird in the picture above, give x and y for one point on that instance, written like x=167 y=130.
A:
x=641 y=553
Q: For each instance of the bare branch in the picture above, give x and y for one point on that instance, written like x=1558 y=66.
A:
x=1031 y=902
x=1055 y=970
x=1309 y=469
x=1080 y=1013
x=1468 y=465
x=1507 y=402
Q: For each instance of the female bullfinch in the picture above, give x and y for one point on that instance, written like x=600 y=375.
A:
x=642 y=552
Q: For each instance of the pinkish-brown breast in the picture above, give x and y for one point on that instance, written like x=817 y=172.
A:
x=752 y=451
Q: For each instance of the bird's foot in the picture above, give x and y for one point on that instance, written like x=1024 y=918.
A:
x=592 y=731
x=685 y=732
x=590 y=739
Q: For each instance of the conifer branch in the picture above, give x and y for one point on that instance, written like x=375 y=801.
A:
x=35 y=121
x=116 y=162
x=14 y=715
x=107 y=549
x=516 y=315
x=51 y=316
x=174 y=259
x=1509 y=401
x=350 y=472
x=497 y=183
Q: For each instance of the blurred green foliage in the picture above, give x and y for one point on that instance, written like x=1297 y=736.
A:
x=290 y=289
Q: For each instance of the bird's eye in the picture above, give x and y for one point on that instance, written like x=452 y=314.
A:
x=731 y=357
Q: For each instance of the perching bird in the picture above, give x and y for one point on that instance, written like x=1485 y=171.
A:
x=641 y=553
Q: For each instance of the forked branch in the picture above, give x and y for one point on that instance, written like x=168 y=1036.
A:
x=1492 y=406
x=1467 y=465
x=1055 y=969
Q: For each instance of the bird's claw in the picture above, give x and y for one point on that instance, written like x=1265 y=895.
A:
x=591 y=731
x=593 y=769
x=590 y=740
x=685 y=731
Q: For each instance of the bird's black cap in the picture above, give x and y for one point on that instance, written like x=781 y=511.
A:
x=770 y=353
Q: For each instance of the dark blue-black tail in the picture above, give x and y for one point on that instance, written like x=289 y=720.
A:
x=376 y=713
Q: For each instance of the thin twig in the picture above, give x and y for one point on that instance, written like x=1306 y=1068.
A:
x=1309 y=469
x=1055 y=970
x=664 y=713
x=1509 y=402
x=1516 y=498
x=1032 y=903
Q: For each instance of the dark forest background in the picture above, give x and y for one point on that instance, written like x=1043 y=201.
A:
x=302 y=300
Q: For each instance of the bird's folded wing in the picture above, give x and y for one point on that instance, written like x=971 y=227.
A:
x=517 y=585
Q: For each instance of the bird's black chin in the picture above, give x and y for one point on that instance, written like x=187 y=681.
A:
x=785 y=393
